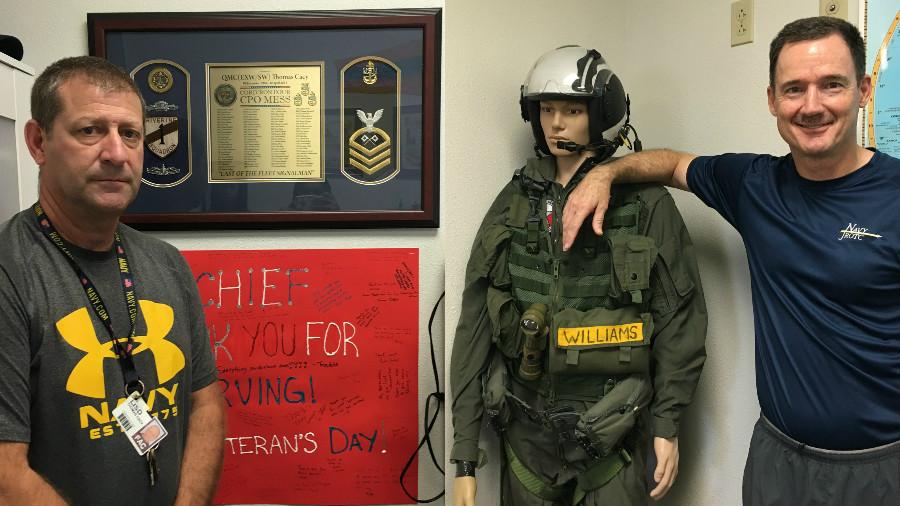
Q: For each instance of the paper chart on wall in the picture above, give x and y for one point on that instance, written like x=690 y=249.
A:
x=881 y=117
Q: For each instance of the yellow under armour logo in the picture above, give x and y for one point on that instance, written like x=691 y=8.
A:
x=87 y=377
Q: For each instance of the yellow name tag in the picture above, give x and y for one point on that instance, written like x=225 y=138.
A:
x=600 y=335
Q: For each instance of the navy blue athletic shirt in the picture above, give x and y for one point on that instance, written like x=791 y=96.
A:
x=825 y=277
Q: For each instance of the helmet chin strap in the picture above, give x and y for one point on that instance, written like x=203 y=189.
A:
x=591 y=162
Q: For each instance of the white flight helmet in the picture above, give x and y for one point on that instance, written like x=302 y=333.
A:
x=573 y=72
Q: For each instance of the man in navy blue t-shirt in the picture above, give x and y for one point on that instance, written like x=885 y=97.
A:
x=823 y=241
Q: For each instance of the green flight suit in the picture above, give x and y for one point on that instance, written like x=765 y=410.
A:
x=670 y=302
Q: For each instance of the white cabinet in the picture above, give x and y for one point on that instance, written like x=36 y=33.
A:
x=18 y=172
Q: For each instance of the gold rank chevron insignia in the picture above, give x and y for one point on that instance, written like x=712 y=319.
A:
x=87 y=376
x=370 y=151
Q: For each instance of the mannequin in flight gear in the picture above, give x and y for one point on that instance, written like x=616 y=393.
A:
x=577 y=357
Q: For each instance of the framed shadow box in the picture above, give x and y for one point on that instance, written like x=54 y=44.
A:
x=323 y=119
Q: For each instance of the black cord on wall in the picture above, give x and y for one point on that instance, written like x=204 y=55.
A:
x=438 y=397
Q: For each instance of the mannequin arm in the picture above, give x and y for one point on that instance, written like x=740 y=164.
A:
x=464 y=491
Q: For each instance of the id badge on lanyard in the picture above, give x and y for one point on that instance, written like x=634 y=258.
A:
x=143 y=431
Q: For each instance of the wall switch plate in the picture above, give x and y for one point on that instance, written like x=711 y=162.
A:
x=834 y=8
x=741 y=22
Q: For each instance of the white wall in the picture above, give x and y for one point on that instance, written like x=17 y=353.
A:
x=690 y=90
x=52 y=29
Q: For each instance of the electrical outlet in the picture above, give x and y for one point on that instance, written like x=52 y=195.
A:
x=741 y=22
x=834 y=8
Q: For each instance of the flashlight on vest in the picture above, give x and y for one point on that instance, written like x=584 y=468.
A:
x=534 y=326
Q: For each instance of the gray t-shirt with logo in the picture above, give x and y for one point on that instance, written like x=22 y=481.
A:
x=59 y=377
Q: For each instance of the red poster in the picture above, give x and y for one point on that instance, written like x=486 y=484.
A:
x=317 y=352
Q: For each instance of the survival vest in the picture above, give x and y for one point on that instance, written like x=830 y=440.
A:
x=598 y=292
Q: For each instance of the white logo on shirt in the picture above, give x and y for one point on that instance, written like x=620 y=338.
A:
x=856 y=232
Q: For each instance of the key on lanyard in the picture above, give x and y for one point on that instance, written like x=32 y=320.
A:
x=152 y=467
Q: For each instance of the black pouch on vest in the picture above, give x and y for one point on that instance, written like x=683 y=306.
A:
x=600 y=341
x=633 y=257
x=493 y=392
x=504 y=316
x=613 y=416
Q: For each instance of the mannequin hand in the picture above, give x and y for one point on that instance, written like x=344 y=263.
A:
x=464 y=491
x=666 y=465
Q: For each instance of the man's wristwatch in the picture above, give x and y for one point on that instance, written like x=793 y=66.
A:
x=465 y=468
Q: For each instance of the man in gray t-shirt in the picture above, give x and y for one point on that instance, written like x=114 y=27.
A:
x=96 y=313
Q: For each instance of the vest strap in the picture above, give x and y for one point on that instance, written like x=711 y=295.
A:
x=532 y=286
x=620 y=221
x=625 y=354
x=602 y=472
x=532 y=482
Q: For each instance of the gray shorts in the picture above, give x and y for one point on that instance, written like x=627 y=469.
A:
x=783 y=472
